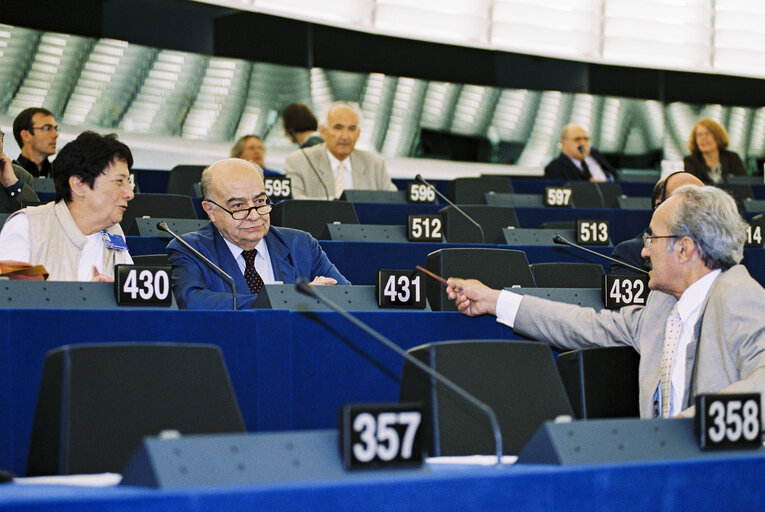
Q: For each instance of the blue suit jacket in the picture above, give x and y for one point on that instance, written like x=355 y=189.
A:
x=293 y=254
x=562 y=168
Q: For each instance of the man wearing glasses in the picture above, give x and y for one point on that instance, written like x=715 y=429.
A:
x=702 y=329
x=242 y=242
x=17 y=184
x=578 y=160
x=35 y=131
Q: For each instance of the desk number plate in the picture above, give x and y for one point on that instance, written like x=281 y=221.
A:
x=592 y=232
x=400 y=289
x=558 y=196
x=278 y=188
x=728 y=421
x=754 y=232
x=143 y=285
x=624 y=290
x=424 y=228
x=419 y=193
x=381 y=435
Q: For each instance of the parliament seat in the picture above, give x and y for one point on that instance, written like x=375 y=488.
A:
x=567 y=275
x=97 y=402
x=159 y=206
x=182 y=179
x=586 y=194
x=472 y=190
x=458 y=229
x=312 y=215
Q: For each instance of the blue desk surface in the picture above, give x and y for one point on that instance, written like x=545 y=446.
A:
x=731 y=485
x=289 y=370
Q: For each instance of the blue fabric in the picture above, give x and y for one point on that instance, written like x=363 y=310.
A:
x=628 y=251
x=293 y=254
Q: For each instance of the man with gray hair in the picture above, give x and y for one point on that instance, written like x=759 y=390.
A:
x=702 y=329
x=325 y=170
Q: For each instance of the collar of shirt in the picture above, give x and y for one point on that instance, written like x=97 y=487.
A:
x=334 y=163
x=262 y=259
x=31 y=167
x=596 y=170
x=694 y=295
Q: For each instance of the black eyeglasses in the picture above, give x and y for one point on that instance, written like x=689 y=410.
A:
x=46 y=128
x=648 y=239
x=260 y=209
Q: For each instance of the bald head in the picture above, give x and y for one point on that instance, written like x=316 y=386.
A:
x=666 y=187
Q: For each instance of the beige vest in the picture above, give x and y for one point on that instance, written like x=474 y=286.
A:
x=56 y=242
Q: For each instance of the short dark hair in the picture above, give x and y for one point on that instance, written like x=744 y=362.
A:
x=87 y=156
x=23 y=121
x=298 y=117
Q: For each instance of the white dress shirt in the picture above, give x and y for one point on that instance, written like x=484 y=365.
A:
x=262 y=260
x=596 y=171
x=334 y=163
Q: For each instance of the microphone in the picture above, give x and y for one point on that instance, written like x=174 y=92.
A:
x=303 y=287
x=302 y=149
x=162 y=225
x=293 y=134
x=581 y=149
x=460 y=210
x=557 y=239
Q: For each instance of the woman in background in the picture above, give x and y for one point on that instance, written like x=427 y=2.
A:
x=710 y=160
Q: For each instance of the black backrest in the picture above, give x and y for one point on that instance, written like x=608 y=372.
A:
x=567 y=275
x=156 y=205
x=472 y=190
x=312 y=215
x=497 y=268
x=151 y=259
x=601 y=382
x=586 y=194
x=96 y=402
x=182 y=179
x=517 y=379
x=492 y=219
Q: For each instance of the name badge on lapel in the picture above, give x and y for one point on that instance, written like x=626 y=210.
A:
x=115 y=242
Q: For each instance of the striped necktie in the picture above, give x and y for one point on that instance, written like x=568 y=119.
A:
x=340 y=180
x=671 y=335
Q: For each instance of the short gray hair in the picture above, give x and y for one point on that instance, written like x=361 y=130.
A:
x=324 y=118
x=709 y=217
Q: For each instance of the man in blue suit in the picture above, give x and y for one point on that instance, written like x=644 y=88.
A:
x=578 y=160
x=242 y=242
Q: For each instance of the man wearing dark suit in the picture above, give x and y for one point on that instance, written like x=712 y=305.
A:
x=17 y=183
x=702 y=329
x=325 y=170
x=242 y=242
x=578 y=161
x=36 y=132
x=629 y=251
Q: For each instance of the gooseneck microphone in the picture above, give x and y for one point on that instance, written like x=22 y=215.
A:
x=162 y=225
x=304 y=287
x=318 y=177
x=557 y=239
x=462 y=212
x=581 y=149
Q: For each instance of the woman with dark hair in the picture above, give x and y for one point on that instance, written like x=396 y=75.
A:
x=710 y=160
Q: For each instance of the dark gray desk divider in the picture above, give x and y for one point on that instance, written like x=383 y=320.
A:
x=502 y=199
x=754 y=205
x=240 y=459
x=535 y=236
x=285 y=296
x=59 y=295
x=617 y=440
x=374 y=196
x=147 y=226
x=634 y=203
x=585 y=297
x=367 y=233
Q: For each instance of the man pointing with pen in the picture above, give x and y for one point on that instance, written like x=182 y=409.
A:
x=702 y=329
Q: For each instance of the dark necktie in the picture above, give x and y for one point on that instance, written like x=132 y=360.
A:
x=586 y=170
x=254 y=281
